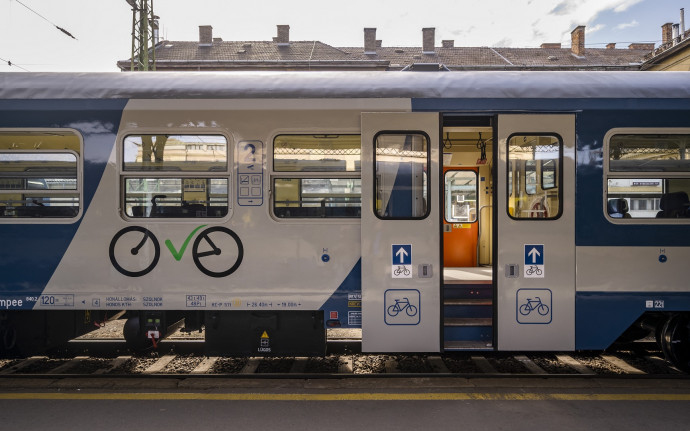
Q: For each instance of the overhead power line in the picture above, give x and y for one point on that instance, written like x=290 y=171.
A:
x=9 y=63
x=49 y=21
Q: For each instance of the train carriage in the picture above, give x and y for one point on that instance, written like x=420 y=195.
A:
x=435 y=211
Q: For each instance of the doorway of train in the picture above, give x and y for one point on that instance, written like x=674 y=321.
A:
x=467 y=220
x=508 y=232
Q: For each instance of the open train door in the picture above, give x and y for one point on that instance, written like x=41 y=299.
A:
x=536 y=232
x=401 y=267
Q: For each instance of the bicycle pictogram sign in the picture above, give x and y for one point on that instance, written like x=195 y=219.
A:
x=217 y=251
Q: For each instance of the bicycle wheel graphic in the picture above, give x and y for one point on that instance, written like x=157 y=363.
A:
x=217 y=251
x=525 y=310
x=411 y=310
x=543 y=309
x=134 y=251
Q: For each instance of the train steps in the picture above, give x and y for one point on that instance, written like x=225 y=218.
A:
x=467 y=313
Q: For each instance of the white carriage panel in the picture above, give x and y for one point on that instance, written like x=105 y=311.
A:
x=632 y=269
x=282 y=264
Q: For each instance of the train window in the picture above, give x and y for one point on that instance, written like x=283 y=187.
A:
x=530 y=177
x=39 y=174
x=461 y=196
x=548 y=174
x=649 y=153
x=317 y=197
x=317 y=153
x=174 y=153
x=533 y=191
x=647 y=175
x=401 y=185
x=175 y=197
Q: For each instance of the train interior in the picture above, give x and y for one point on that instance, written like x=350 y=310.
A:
x=468 y=290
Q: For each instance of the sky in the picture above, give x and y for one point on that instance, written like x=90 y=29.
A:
x=102 y=28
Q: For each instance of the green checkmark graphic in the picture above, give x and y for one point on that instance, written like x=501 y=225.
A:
x=178 y=254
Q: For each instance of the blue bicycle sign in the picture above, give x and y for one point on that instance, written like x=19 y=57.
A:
x=534 y=304
x=402 y=307
x=399 y=306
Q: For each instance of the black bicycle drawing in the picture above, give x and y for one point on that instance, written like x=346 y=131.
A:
x=534 y=270
x=534 y=304
x=400 y=305
x=401 y=270
x=134 y=251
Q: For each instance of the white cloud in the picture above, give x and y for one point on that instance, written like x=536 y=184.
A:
x=625 y=25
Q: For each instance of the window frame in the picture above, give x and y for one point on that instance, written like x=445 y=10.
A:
x=476 y=187
x=522 y=176
x=123 y=175
x=300 y=175
x=374 y=184
x=80 y=175
x=643 y=175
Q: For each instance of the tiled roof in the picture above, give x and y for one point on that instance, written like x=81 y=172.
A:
x=231 y=55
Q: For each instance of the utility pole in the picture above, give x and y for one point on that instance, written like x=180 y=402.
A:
x=144 y=35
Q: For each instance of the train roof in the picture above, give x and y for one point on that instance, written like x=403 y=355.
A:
x=247 y=85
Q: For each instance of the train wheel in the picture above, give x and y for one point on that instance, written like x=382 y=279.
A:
x=134 y=337
x=675 y=341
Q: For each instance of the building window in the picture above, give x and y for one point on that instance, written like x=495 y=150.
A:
x=316 y=176
x=40 y=175
x=647 y=175
x=175 y=176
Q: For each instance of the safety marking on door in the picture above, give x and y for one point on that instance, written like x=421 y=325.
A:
x=534 y=261
x=534 y=306
x=402 y=307
x=401 y=261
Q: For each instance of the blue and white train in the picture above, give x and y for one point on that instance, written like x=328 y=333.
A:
x=435 y=211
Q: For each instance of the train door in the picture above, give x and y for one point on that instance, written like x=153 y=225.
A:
x=536 y=232
x=460 y=217
x=400 y=232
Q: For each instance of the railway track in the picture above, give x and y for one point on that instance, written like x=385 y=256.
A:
x=184 y=358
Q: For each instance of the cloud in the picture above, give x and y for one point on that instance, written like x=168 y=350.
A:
x=625 y=25
x=625 y=5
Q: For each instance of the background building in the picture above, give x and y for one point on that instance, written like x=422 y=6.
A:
x=211 y=53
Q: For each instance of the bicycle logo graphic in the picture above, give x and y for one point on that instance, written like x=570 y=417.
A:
x=534 y=304
x=534 y=270
x=401 y=270
x=401 y=305
x=217 y=251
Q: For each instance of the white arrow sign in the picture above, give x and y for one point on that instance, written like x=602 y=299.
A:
x=402 y=254
x=533 y=254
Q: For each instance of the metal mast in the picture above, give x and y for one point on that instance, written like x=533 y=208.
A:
x=144 y=35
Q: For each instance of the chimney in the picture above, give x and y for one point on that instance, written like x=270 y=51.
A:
x=370 y=40
x=428 y=40
x=645 y=46
x=283 y=38
x=682 y=23
x=448 y=43
x=676 y=33
x=666 y=33
x=205 y=35
x=551 y=46
x=611 y=45
x=577 y=38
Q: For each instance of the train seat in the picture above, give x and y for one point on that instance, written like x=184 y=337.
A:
x=618 y=208
x=673 y=205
